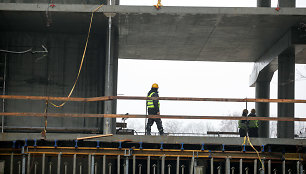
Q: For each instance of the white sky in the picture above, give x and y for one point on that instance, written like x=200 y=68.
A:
x=194 y=79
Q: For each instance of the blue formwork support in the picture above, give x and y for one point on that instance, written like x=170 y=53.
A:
x=120 y=145
x=98 y=144
x=243 y=150
x=202 y=147
x=76 y=143
x=209 y=154
x=223 y=149
x=182 y=146
x=140 y=145
x=35 y=143
x=55 y=143
x=161 y=146
x=262 y=148
x=25 y=142
x=14 y=144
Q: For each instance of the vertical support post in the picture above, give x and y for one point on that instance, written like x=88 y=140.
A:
x=12 y=163
x=284 y=167
x=92 y=170
x=81 y=168
x=110 y=77
x=134 y=164
x=192 y=165
x=28 y=164
x=211 y=165
x=50 y=167
x=233 y=170
x=154 y=168
x=227 y=166
x=65 y=167
x=59 y=163
x=139 y=168
x=89 y=164
x=23 y=160
x=178 y=165
x=286 y=81
x=104 y=162
x=163 y=165
x=169 y=168
x=301 y=168
x=148 y=165
x=183 y=168
x=118 y=164
x=126 y=171
x=109 y=168
x=43 y=163
x=298 y=167
x=219 y=169
x=246 y=170
x=269 y=167
x=255 y=166
x=35 y=167
x=74 y=164
x=240 y=166
x=19 y=167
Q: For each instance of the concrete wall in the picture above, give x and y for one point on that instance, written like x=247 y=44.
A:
x=54 y=75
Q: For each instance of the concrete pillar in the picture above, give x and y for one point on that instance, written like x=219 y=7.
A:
x=111 y=71
x=263 y=109
x=286 y=78
x=263 y=3
x=287 y=3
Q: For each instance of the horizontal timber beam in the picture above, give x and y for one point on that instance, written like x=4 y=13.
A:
x=29 y=114
x=106 y=98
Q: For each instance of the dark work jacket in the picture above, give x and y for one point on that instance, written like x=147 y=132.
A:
x=153 y=111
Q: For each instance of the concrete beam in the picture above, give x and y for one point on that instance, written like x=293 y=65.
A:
x=263 y=66
x=83 y=8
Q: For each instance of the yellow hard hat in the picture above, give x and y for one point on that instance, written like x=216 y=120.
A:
x=155 y=85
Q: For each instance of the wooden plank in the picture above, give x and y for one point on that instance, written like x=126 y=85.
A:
x=105 y=98
x=95 y=136
x=29 y=114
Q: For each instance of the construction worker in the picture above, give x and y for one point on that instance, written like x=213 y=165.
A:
x=153 y=109
x=243 y=124
x=253 y=125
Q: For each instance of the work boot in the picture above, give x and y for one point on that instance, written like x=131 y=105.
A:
x=161 y=132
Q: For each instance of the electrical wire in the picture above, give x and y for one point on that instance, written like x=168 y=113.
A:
x=16 y=52
x=249 y=141
x=82 y=61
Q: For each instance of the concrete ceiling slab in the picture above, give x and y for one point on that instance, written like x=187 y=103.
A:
x=172 y=33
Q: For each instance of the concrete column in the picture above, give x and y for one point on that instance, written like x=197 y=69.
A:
x=287 y=3
x=111 y=71
x=263 y=3
x=286 y=77
x=263 y=109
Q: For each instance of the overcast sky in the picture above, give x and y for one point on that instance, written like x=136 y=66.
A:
x=194 y=79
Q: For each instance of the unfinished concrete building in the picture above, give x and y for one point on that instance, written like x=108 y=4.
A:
x=42 y=44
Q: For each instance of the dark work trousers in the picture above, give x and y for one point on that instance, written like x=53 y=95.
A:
x=158 y=123
x=253 y=132
x=151 y=122
x=242 y=132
